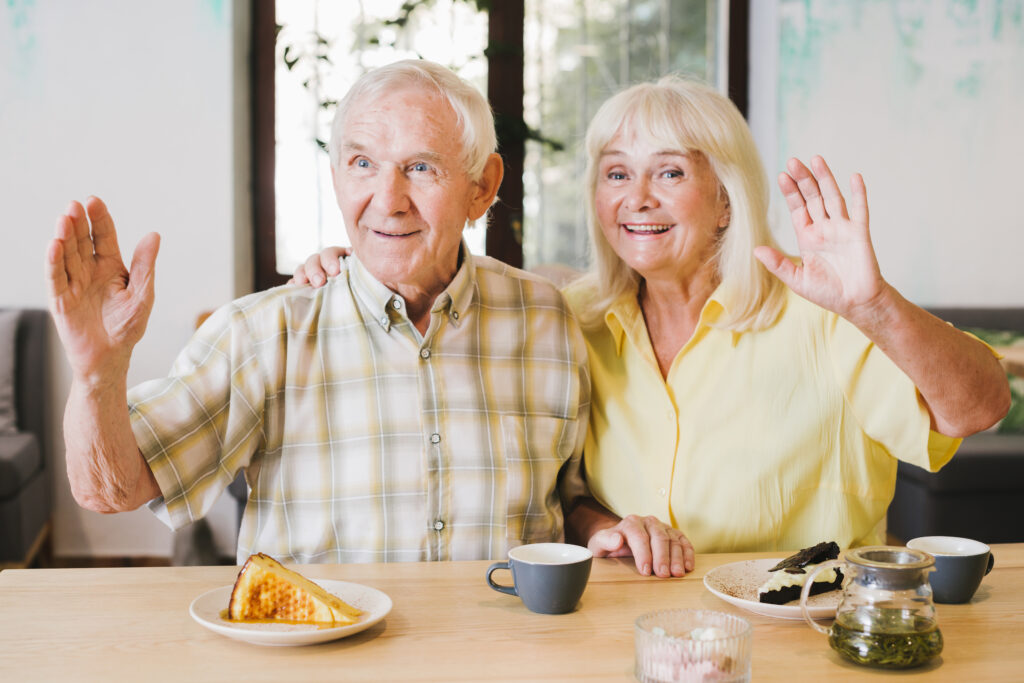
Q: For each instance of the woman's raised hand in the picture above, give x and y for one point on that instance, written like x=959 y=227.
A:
x=838 y=269
x=100 y=307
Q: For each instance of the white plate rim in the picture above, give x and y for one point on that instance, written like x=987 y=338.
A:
x=375 y=605
x=822 y=606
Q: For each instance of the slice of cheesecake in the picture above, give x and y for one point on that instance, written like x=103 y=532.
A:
x=789 y=576
x=265 y=590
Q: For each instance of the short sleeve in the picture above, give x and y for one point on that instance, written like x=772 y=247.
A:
x=887 y=405
x=200 y=425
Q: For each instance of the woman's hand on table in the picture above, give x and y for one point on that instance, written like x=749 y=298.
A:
x=655 y=546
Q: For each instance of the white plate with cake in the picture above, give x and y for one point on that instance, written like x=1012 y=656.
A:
x=766 y=587
x=271 y=605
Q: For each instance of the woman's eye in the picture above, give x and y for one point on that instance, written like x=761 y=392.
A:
x=674 y=173
x=616 y=175
x=362 y=163
x=421 y=167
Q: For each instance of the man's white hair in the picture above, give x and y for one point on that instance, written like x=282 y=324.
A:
x=471 y=108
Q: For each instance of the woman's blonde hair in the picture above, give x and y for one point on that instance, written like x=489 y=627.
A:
x=685 y=114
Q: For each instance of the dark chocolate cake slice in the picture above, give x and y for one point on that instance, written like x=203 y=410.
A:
x=789 y=575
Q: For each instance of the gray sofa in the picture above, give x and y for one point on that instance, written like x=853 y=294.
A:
x=980 y=493
x=25 y=475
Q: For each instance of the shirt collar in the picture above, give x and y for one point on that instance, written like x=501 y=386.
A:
x=383 y=303
x=625 y=318
x=458 y=294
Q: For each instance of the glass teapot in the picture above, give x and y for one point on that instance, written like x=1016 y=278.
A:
x=886 y=617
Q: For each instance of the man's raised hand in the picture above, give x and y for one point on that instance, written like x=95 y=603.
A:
x=100 y=307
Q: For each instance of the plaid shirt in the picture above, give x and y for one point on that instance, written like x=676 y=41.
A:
x=364 y=441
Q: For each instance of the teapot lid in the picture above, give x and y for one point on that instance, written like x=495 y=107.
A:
x=890 y=567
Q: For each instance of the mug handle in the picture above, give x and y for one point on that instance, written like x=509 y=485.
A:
x=991 y=563
x=805 y=593
x=510 y=590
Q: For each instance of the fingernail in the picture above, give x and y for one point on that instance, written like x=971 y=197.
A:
x=646 y=571
x=663 y=570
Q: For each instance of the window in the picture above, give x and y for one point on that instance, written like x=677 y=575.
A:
x=568 y=54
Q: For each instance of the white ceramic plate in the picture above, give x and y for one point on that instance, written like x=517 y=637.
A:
x=207 y=609
x=737 y=583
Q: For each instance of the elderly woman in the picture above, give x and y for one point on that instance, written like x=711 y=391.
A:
x=745 y=399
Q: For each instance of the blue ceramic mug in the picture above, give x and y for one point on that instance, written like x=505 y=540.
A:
x=960 y=565
x=548 y=577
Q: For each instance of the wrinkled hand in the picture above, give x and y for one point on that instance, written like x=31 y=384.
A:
x=100 y=308
x=654 y=545
x=838 y=268
x=319 y=267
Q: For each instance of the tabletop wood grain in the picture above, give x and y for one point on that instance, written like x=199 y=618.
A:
x=446 y=625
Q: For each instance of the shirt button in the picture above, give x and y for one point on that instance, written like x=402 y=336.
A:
x=662 y=492
x=424 y=353
x=455 y=314
x=384 y=321
x=435 y=438
x=438 y=525
x=397 y=303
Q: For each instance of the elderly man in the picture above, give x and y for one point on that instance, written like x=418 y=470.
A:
x=419 y=407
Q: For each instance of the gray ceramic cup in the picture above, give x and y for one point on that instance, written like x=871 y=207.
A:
x=548 y=577
x=960 y=565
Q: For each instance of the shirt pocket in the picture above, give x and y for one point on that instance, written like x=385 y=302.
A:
x=532 y=449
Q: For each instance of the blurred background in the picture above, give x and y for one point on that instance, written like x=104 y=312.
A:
x=205 y=120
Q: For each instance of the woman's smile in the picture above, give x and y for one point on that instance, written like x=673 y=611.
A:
x=647 y=229
x=660 y=207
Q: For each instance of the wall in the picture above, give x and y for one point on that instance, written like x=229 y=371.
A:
x=144 y=105
x=923 y=99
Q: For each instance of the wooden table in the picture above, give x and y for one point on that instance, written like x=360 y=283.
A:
x=447 y=625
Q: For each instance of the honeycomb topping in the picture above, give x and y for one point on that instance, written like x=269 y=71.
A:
x=265 y=590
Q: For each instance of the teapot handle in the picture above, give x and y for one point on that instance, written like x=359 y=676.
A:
x=805 y=593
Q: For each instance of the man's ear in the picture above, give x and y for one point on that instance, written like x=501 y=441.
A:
x=487 y=187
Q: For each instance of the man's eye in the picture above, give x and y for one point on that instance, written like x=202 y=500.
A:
x=421 y=167
x=362 y=163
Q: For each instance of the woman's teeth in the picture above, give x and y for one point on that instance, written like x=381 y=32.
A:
x=646 y=229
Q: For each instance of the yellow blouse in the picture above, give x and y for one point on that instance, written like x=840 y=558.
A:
x=767 y=440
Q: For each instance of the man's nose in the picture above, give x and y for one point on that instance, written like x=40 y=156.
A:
x=640 y=195
x=391 y=192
